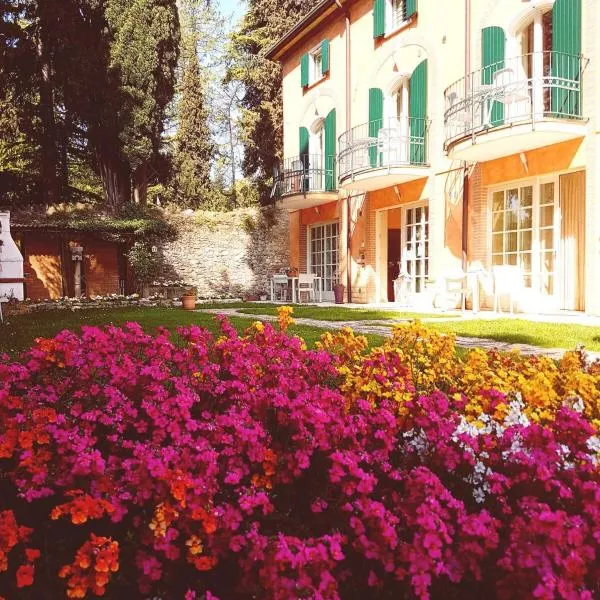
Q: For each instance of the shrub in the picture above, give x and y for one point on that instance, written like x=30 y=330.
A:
x=238 y=467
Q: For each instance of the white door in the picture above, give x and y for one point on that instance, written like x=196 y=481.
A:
x=526 y=233
x=415 y=245
x=323 y=256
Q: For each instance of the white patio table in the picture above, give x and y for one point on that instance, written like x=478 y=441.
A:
x=294 y=282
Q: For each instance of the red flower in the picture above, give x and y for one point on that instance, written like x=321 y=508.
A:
x=25 y=575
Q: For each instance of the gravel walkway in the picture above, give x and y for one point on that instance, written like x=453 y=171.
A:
x=383 y=328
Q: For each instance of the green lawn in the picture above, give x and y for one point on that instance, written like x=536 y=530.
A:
x=337 y=313
x=19 y=331
x=517 y=331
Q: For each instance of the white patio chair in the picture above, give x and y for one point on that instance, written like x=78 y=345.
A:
x=279 y=290
x=306 y=285
x=510 y=86
x=402 y=289
x=298 y=176
x=509 y=281
x=457 y=110
x=391 y=145
x=456 y=284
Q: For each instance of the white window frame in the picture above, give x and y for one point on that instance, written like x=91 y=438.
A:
x=327 y=294
x=316 y=150
x=392 y=23
x=315 y=67
x=426 y=241
x=515 y=49
x=536 y=271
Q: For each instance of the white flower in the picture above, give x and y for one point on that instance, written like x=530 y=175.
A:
x=479 y=495
x=593 y=444
x=578 y=405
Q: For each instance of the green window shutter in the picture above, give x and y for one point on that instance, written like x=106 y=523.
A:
x=566 y=58
x=330 y=135
x=375 y=121
x=304 y=157
x=410 y=8
x=324 y=56
x=417 y=112
x=493 y=42
x=378 y=18
x=304 y=70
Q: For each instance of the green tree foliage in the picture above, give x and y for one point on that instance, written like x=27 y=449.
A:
x=84 y=85
x=143 y=55
x=262 y=115
x=194 y=149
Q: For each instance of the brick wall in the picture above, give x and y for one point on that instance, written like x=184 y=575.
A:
x=47 y=264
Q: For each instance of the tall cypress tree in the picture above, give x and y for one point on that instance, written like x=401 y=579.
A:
x=262 y=119
x=194 y=148
x=143 y=54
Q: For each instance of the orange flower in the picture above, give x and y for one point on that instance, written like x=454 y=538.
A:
x=205 y=563
x=82 y=508
x=91 y=569
x=32 y=554
x=209 y=522
x=25 y=575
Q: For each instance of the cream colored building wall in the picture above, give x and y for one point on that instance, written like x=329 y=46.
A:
x=438 y=34
x=304 y=107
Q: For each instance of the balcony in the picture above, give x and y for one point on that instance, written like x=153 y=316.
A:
x=383 y=153
x=306 y=181
x=516 y=105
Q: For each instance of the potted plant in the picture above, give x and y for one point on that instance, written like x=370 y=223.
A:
x=188 y=300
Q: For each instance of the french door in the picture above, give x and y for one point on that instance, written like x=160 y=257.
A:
x=415 y=245
x=323 y=256
x=526 y=233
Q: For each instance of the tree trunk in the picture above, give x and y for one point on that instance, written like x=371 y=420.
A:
x=63 y=164
x=140 y=184
x=49 y=157
x=115 y=179
x=232 y=158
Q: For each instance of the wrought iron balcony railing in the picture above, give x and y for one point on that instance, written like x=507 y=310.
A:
x=393 y=142
x=524 y=89
x=304 y=174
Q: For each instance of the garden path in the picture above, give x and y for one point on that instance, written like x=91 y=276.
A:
x=383 y=328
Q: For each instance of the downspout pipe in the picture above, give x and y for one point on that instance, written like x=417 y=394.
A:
x=465 y=195
x=346 y=10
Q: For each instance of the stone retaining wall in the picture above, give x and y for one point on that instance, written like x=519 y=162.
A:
x=228 y=254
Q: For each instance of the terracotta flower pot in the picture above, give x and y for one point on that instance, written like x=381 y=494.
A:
x=189 y=302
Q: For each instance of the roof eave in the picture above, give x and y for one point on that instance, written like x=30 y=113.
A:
x=325 y=8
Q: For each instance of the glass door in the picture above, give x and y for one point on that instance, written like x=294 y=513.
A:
x=415 y=246
x=525 y=233
x=323 y=256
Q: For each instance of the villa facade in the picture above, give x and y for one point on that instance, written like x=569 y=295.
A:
x=429 y=138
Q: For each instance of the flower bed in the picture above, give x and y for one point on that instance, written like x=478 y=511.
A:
x=242 y=467
x=162 y=299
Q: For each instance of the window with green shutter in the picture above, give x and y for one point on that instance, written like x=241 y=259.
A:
x=329 y=158
x=417 y=112
x=375 y=123
x=304 y=68
x=566 y=57
x=379 y=18
x=304 y=156
x=493 y=43
x=324 y=57
x=410 y=8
